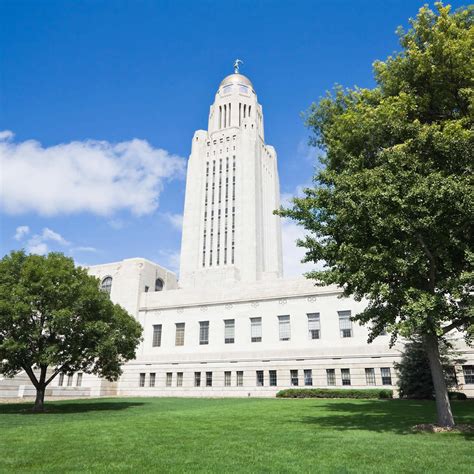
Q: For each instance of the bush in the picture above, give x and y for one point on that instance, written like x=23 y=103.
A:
x=414 y=373
x=457 y=396
x=334 y=393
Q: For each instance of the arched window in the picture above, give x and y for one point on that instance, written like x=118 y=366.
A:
x=159 y=284
x=106 y=284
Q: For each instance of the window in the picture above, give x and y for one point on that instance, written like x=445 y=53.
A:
x=227 y=378
x=169 y=379
x=468 y=371
x=294 y=377
x=331 y=376
x=141 y=380
x=259 y=378
x=208 y=379
x=284 y=323
x=69 y=380
x=79 y=380
x=345 y=323
x=204 y=332
x=346 y=376
x=240 y=378
x=314 y=326
x=106 y=284
x=159 y=284
x=229 y=331
x=308 y=377
x=386 y=376
x=152 y=379
x=197 y=379
x=370 y=376
x=256 y=329
x=156 y=335
x=146 y=289
x=179 y=334
x=61 y=380
x=179 y=379
x=273 y=378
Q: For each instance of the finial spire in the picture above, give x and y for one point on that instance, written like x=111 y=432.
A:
x=237 y=63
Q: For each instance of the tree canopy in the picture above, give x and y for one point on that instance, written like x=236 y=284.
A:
x=391 y=211
x=54 y=318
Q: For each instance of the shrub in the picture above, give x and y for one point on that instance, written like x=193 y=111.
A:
x=457 y=396
x=414 y=373
x=334 y=393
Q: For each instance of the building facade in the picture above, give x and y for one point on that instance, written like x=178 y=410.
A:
x=232 y=325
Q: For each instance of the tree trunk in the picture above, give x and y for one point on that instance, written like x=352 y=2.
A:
x=443 y=405
x=39 y=402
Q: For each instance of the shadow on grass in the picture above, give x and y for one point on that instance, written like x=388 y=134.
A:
x=390 y=416
x=67 y=408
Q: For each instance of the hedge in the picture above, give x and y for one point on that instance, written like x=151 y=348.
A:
x=457 y=396
x=334 y=393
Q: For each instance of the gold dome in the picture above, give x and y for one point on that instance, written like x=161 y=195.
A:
x=236 y=79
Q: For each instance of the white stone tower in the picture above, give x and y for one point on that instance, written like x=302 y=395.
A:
x=230 y=233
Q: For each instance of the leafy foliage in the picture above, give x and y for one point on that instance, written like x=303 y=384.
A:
x=335 y=393
x=391 y=212
x=54 y=317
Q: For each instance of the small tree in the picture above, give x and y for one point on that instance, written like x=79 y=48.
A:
x=414 y=373
x=391 y=213
x=54 y=318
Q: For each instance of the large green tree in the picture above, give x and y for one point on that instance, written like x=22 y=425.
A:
x=54 y=318
x=391 y=212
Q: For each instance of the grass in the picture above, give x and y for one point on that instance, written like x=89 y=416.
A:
x=232 y=435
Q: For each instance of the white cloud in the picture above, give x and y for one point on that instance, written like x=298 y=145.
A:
x=84 y=249
x=6 y=135
x=116 y=224
x=38 y=243
x=176 y=220
x=170 y=259
x=83 y=176
x=21 y=232
x=291 y=232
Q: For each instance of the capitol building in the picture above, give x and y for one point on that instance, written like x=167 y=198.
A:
x=232 y=325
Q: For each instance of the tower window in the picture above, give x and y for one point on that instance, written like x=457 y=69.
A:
x=106 y=285
x=159 y=284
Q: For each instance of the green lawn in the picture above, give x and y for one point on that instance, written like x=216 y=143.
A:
x=229 y=435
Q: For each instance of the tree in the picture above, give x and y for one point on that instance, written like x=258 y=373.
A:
x=414 y=374
x=391 y=211
x=54 y=318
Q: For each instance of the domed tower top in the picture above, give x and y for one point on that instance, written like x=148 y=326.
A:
x=236 y=105
x=236 y=78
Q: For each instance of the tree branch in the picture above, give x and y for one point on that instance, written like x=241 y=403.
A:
x=450 y=327
x=31 y=375
x=56 y=372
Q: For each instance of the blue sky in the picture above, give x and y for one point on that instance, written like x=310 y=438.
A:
x=112 y=91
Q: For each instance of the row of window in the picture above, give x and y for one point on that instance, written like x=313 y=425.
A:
x=314 y=329
x=106 y=285
x=215 y=196
x=70 y=380
x=260 y=381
